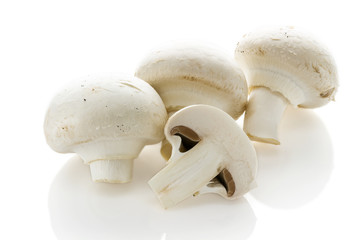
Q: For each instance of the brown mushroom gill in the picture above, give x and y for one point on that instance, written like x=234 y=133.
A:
x=189 y=139
x=188 y=136
x=226 y=179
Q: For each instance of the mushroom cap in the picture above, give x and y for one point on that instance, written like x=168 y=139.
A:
x=289 y=61
x=104 y=108
x=189 y=73
x=220 y=131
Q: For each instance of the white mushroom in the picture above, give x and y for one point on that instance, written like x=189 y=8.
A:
x=283 y=66
x=107 y=119
x=210 y=153
x=189 y=73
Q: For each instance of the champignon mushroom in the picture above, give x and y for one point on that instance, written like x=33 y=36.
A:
x=107 y=119
x=210 y=154
x=283 y=65
x=184 y=74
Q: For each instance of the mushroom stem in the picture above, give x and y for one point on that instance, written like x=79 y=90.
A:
x=184 y=176
x=112 y=171
x=166 y=149
x=111 y=161
x=263 y=116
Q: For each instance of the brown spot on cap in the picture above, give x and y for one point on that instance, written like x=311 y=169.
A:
x=316 y=68
x=260 y=51
x=327 y=93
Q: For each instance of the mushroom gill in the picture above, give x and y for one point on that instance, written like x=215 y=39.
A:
x=188 y=136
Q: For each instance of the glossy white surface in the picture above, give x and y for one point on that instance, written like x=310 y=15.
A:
x=290 y=176
x=81 y=209
x=308 y=187
x=295 y=172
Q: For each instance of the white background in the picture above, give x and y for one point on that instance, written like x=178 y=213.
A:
x=309 y=187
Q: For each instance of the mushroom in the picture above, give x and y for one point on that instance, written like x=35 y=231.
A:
x=283 y=66
x=107 y=119
x=185 y=73
x=210 y=154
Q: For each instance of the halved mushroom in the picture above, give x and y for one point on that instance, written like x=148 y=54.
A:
x=210 y=154
x=283 y=66
x=184 y=74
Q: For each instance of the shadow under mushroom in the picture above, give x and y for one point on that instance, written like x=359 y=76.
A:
x=295 y=172
x=82 y=209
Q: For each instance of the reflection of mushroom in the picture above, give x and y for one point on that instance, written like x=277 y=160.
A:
x=283 y=66
x=186 y=73
x=107 y=120
x=205 y=156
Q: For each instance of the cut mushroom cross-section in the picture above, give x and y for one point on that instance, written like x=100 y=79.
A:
x=210 y=154
x=283 y=65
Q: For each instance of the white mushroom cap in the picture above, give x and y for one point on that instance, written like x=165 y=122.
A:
x=289 y=61
x=188 y=73
x=210 y=153
x=105 y=118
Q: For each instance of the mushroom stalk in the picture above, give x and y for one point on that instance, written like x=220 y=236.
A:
x=112 y=171
x=263 y=116
x=111 y=161
x=186 y=175
x=166 y=149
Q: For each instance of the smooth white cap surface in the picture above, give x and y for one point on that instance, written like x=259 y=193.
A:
x=103 y=116
x=188 y=73
x=291 y=62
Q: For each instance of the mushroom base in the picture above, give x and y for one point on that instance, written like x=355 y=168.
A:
x=112 y=171
x=263 y=115
x=111 y=160
x=166 y=149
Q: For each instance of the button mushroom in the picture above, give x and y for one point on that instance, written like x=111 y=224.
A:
x=210 y=154
x=188 y=73
x=107 y=119
x=283 y=66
